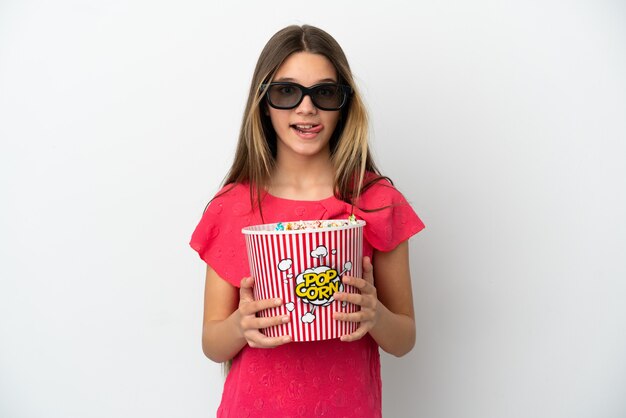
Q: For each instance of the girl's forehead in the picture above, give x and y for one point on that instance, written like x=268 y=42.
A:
x=306 y=68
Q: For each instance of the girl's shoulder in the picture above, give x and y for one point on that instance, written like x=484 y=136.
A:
x=232 y=191
x=389 y=216
x=229 y=197
x=217 y=237
x=230 y=208
x=379 y=191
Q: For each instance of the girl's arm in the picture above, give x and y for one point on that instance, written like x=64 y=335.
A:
x=387 y=309
x=230 y=320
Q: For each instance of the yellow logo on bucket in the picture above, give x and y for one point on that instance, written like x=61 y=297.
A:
x=318 y=285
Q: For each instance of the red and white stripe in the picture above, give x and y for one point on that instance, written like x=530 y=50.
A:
x=267 y=248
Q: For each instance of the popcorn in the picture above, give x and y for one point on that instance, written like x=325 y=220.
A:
x=312 y=225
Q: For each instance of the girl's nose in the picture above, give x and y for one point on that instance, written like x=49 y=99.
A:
x=306 y=106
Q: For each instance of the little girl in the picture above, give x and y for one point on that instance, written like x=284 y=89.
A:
x=303 y=155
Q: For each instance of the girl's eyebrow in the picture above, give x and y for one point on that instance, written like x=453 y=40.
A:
x=293 y=80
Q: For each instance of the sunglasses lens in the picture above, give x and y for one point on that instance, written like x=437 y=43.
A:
x=284 y=96
x=328 y=96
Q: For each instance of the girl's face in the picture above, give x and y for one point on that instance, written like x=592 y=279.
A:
x=305 y=130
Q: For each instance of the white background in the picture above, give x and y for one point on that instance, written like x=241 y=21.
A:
x=502 y=122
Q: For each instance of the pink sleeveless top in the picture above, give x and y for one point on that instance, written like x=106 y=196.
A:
x=306 y=379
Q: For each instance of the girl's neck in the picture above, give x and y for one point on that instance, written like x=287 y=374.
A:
x=303 y=177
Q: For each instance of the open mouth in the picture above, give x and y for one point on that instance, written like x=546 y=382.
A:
x=307 y=129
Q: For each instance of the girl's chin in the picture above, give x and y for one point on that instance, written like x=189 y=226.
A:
x=304 y=149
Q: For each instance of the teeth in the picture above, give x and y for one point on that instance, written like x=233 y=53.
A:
x=304 y=126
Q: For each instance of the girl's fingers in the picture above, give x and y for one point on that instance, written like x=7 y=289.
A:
x=366 y=299
x=254 y=323
x=363 y=300
x=359 y=316
x=353 y=298
x=368 y=270
x=251 y=324
x=361 y=284
x=257 y=340
x=245 y=289
x=247 y=304
x=251 y=308
x=356 y=335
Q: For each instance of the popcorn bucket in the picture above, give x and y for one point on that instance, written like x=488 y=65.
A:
x=303 y=263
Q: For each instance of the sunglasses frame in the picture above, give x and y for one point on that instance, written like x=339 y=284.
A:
x=306 y=91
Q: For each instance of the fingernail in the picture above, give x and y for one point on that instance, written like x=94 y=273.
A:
x=285 y=319
x=277 y=301
x=287 y=339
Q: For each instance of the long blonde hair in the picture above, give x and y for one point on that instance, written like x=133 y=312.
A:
x=255 y=156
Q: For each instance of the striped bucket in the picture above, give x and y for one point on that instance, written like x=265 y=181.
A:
x=304 y=268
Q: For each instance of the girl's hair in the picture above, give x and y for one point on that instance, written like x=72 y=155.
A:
x=256 y=150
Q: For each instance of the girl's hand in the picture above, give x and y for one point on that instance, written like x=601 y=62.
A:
x=367 y=300
x=249 y=324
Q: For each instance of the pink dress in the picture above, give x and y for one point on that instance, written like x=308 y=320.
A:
x=306 y=379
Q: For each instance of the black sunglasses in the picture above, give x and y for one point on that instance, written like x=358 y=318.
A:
x=325 y=96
